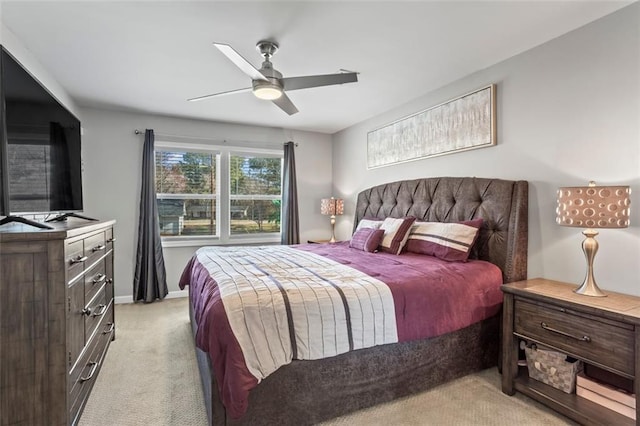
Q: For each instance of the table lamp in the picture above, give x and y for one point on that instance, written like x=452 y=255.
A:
x=593 y=207
x=332 y=206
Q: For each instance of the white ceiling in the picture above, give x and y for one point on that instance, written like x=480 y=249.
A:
x=151 y=56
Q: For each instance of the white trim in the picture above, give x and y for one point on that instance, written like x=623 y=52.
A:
x=233 y=149
x=269 y=238
x=193 y=147
x=118 y=300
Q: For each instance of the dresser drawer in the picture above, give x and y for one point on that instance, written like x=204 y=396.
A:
x=95 y=311
x=74 y=259
x=106 y=327
x=94 y=247
x=94 y=279
x=109 y=238
x=84 y=375
x=601 y=341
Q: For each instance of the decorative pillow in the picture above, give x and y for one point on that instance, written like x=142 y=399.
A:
x=369 y=222
x=396 y=232
x=447 y=241
x=366 y=239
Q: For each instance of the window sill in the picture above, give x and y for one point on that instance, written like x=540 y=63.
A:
x=169 y=242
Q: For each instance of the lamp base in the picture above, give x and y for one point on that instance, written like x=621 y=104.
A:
x=333 y=229
x=590 y=289
x=590 y=248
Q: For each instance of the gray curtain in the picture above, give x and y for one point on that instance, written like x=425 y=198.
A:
x=290 y=223
x=150 y=280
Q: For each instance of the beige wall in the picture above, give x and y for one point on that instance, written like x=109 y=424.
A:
x=568 y=112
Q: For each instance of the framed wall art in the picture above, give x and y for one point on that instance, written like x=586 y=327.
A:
x=460 y=124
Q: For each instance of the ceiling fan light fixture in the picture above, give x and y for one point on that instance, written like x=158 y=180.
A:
x=267 y=91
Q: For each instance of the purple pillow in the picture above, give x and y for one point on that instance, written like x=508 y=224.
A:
x=447 y=241
x=366 y=239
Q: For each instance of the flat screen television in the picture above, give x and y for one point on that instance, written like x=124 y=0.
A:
x=40 y=152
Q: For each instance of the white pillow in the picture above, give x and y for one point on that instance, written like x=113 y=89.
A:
x=396 y=233
x=368 y=223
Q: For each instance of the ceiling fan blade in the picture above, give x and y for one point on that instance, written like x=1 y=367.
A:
x=239 y=61
x=305 y=82
x=285 y=104
x=230 y=92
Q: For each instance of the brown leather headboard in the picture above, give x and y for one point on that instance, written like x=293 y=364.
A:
x=503 y=204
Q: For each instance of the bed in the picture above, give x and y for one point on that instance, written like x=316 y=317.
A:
x=312 y=390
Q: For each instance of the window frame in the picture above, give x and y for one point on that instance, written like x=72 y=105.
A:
x=223 y=195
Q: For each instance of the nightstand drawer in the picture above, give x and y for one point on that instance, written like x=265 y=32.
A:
x=601 y=341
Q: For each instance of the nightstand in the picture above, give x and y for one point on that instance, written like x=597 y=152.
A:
x=601 y=331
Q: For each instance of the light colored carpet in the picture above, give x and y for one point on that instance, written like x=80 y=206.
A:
x=150 y=377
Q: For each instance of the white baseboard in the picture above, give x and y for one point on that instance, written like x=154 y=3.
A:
x=171 y=295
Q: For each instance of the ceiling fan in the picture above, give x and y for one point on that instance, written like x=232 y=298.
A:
x=268 y=83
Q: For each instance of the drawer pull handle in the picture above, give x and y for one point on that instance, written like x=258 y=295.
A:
x=79 y=259
x=98 y=248
x=94 y=367
x=582 y=339
x=110 y=240
x=99 y=278
x=100 y=311
x=111 y=327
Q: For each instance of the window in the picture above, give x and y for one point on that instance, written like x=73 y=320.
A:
x=219 y=193
x=186 y=192
x=255 y=194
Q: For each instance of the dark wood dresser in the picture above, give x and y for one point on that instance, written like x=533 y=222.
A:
x=601 y=331
x=56 y=318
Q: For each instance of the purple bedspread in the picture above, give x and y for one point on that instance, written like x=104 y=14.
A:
x=431 y=297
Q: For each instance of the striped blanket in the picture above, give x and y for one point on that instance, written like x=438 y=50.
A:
x=284 y=304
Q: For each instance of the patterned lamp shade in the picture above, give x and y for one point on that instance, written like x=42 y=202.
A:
x=593 y=206
x=332 y=206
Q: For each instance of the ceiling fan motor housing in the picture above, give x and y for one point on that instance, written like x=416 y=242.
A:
x=271 y=88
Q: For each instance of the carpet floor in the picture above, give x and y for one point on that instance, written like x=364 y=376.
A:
x=150 y=377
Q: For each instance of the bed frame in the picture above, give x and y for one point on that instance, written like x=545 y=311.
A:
x=308 y=392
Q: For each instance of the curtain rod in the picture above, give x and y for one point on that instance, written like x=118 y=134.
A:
x=141 y=132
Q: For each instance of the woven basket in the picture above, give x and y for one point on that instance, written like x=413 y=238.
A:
x=552 y=368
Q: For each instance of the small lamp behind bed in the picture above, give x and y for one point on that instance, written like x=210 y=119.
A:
x=593 y=207
x=332 y=206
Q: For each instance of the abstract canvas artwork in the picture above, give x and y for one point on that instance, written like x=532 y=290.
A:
x=460 y=124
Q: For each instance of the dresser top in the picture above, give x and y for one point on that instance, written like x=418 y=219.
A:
x=61 y=230
x=616 y=305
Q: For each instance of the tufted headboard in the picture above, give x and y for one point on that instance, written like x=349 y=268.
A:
x=503 y=204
